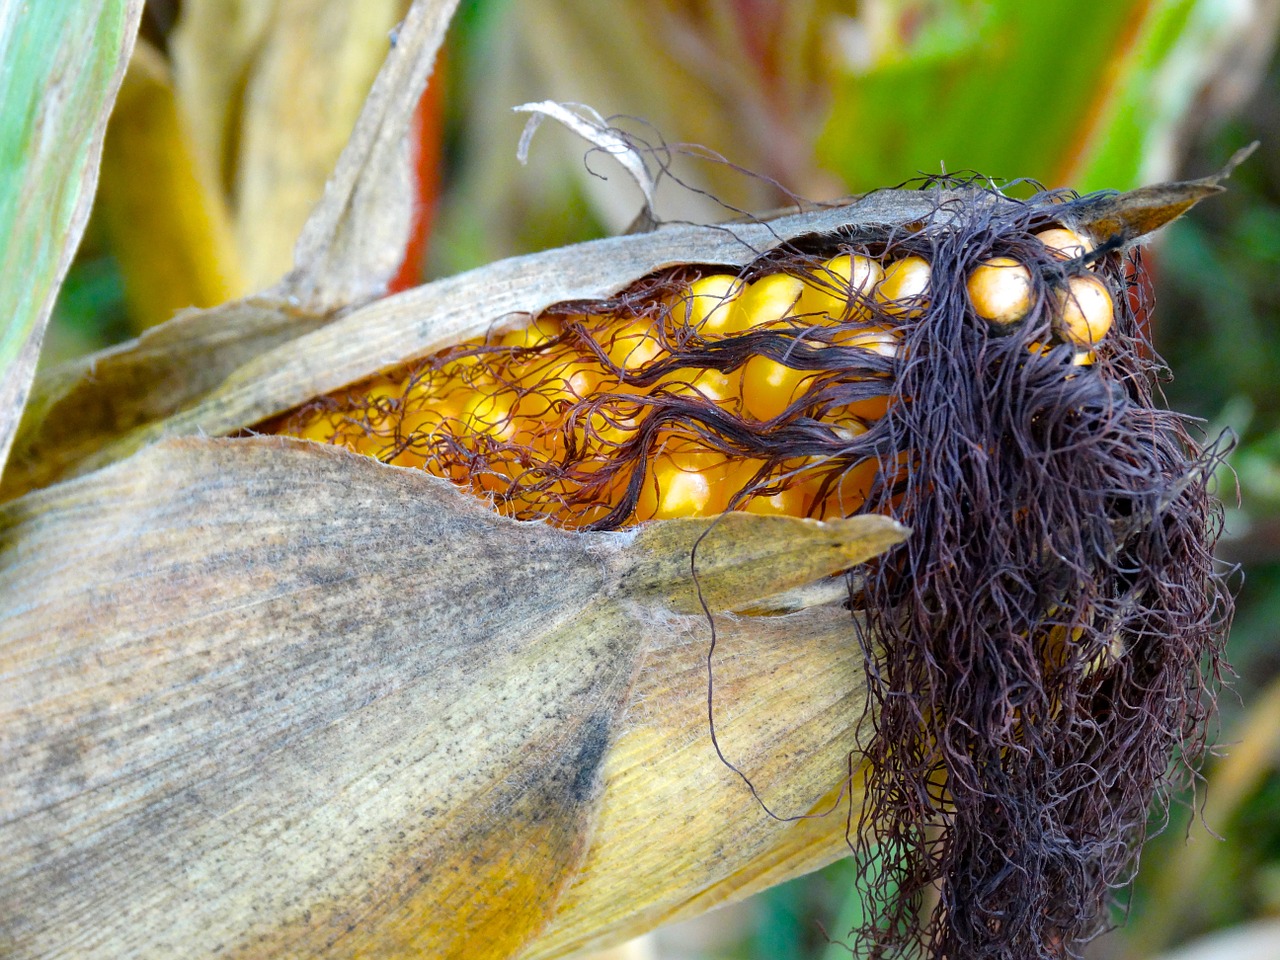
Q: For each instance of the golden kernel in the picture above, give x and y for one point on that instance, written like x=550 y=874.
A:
x=769 y=387
x=492 y=414
x=537 y=333
x=707 y=301
x=846 y=496
x=766 y=301
x=722 y=389
x=634 y=345
x=839 y=288
x=1065 y=244
x=791 y=501
x=1085 y=312
x=905 y=287
x=671 y=490
x=877 y=340
x=1001 y=291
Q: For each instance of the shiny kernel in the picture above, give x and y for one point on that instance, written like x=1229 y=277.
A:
x=766 y=301
x=567 y=379
x=1001 y=291
x=1065 y=244
x=722 y=389
x=537 y=333
x=877 y=340
x=769 y=387
x=492 y=414
x=670 y=491
x=606 y=428
x=707 y=302
x=873 y=408
x=847 y=495
x=1085 y=312
x=321 y=428
x=839 y=288
x=905 y=288
x=634 y=346
x=791 y=501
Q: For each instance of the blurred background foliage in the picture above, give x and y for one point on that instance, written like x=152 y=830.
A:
x=234 y=111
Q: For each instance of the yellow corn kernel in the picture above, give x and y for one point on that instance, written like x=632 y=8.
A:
x=1065 y=244
x=684 y=483
x=1001 y=291
x=634 y=346
x=321 y=427
x=568 y=378
x=722 y=389
x=537 y=333
x=492 y=414
x=847 y=495
x=764 y=302
x=853 y=418
x=607 y=427
x=1085 y=312
x=792 y=500
x=904 y=291
x=769 y=387
x=875 y=339
x=706 y=304
x=838 y=290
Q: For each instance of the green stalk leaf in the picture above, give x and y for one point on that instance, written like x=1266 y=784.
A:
x=60 y=67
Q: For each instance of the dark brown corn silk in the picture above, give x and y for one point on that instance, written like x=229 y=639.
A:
x=1044 y=646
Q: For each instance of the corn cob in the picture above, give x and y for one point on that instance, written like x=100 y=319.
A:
x=661 y=406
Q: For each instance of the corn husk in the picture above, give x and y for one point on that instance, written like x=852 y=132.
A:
x=263 y=698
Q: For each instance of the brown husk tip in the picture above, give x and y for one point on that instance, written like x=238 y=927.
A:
x=1117 y=219
x=1042 y=653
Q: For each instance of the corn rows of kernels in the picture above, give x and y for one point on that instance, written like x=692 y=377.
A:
x=533 y=420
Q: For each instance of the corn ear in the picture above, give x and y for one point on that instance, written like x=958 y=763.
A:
x=260 y=357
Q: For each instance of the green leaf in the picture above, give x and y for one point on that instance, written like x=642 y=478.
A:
x=60 y=68
x=1071 y=96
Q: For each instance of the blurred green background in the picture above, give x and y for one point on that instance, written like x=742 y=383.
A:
x=233 y=113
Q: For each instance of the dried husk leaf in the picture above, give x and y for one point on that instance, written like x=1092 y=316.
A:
x=353 y=243
x=301 y=703
x=167 y=221
x=213 y=46
x=309 y=79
